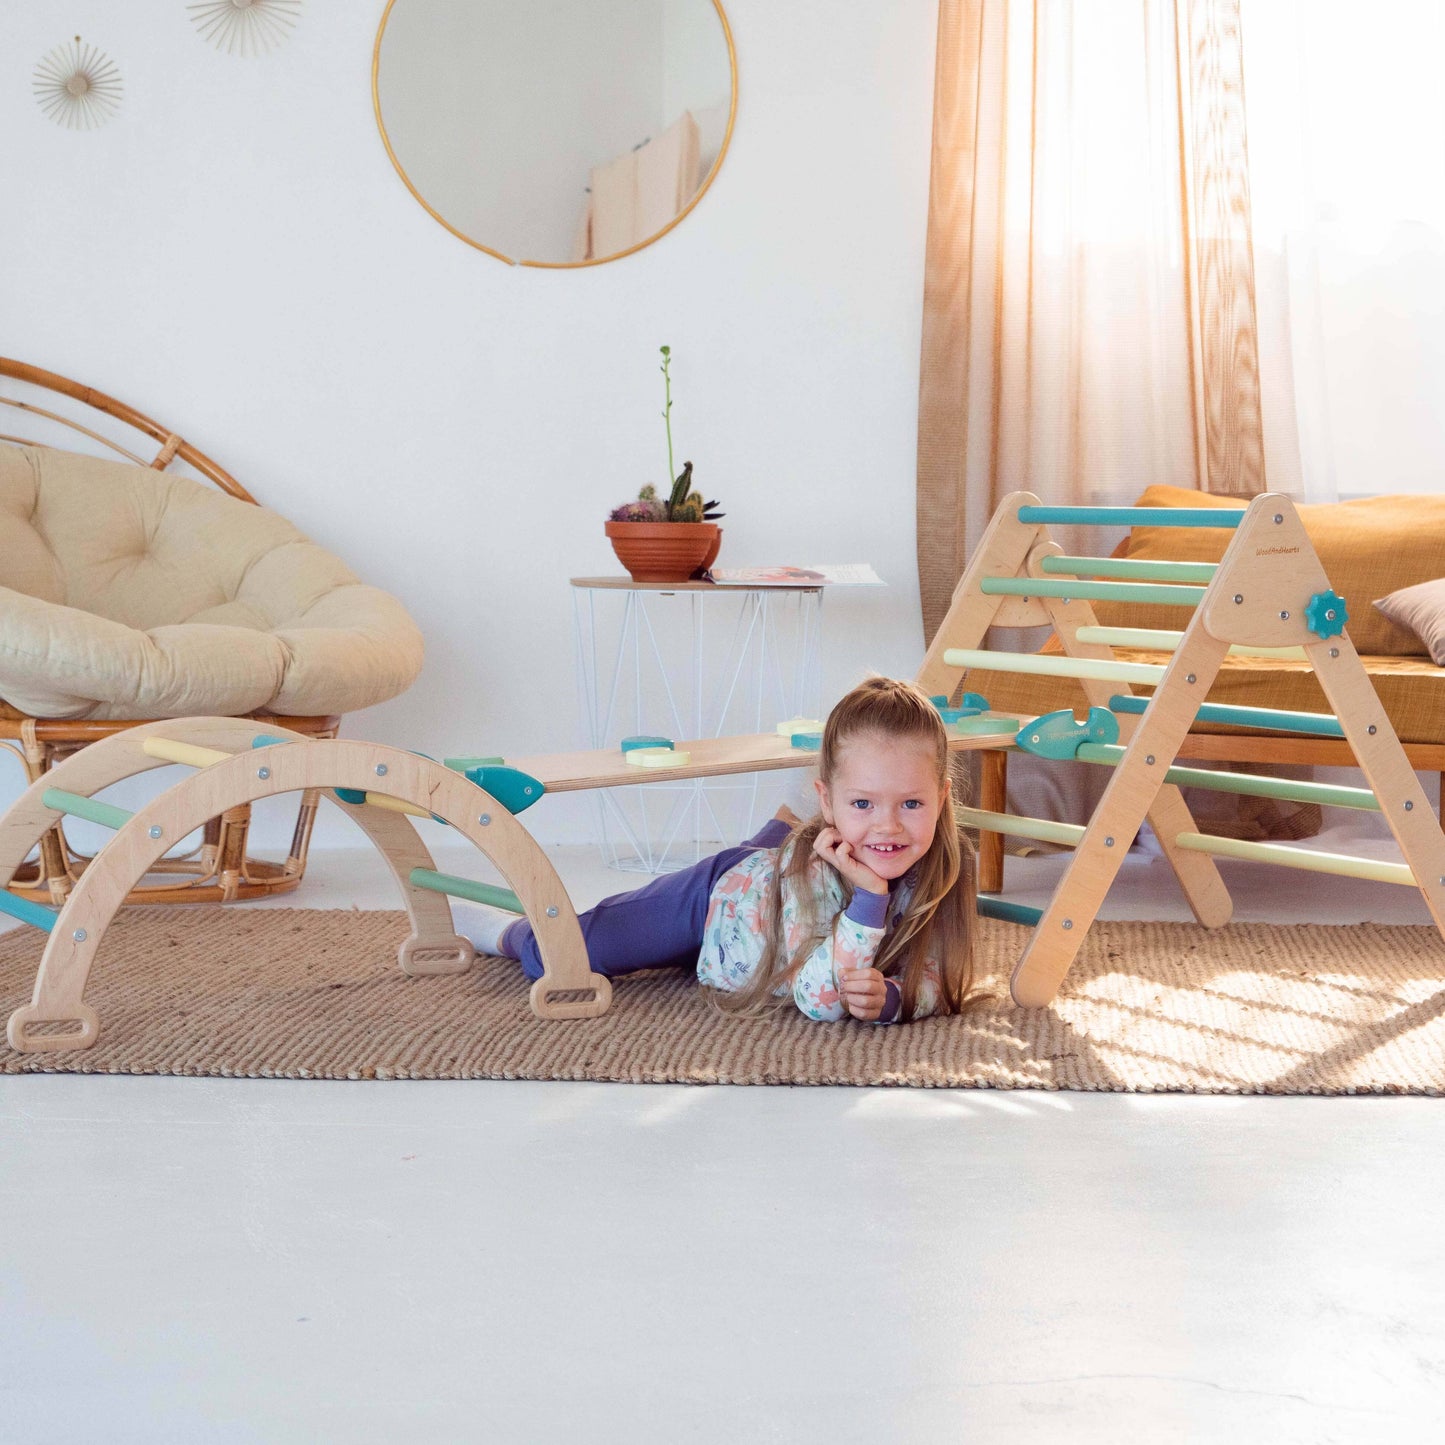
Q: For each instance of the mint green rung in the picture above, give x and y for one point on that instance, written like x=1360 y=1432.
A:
x=1010 y=912
x=487 y=893
x=37 y=915
x=1129 y=568
x=1102 y=591
x=1327 y=794
x=1318 y=724
x=93 y=811
x=1133 y=516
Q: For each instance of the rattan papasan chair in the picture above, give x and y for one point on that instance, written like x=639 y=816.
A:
x=129 y=592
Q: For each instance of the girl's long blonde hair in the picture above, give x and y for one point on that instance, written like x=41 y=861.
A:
x=937 y=922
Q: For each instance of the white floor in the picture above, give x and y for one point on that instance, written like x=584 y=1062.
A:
x=275 y=1261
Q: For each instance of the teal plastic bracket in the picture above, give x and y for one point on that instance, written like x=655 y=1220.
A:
x=642 y=740
x=515 y=790
x=808 y=742
x=1326 y=613
x=1058 y=734
x=969 y=705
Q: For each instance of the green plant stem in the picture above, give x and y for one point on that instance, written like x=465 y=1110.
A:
x=667 y=419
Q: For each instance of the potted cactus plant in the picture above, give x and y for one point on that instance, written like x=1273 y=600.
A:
x=671 y=539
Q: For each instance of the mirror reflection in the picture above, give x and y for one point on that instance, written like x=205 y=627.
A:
x=555 y=132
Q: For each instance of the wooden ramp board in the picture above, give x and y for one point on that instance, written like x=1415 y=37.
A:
x=709 y=758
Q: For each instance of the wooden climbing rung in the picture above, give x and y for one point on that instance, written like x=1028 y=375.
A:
x=1015 y=826
x=91 y=809
x=1345 y=864
x=1129 y=569
x=1156 y=593
x=191 y=754
x=1046 y=665
x=37 y=915
x=466 y=888
x=1162 y=639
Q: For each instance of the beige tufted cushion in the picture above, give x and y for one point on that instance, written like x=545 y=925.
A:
x=127 y=593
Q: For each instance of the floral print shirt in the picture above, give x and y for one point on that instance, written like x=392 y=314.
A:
x=736 y=934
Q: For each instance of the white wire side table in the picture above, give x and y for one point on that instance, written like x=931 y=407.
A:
x=689 y=660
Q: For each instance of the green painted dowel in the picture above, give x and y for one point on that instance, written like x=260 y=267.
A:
x=989 y=907
x=466 y=888
x=1132 y=516
x=1319 y=724
x=1156 y=593
x=37 y=915
x=106 y=814
x=1014 y=826
x=1130 y=568
x=1327 y=794
x=1045 y=665
x=1344 y=864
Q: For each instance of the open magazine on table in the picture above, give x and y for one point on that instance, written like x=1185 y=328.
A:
x=835 y=574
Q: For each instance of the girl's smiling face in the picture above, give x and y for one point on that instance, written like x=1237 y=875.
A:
x=885 y=799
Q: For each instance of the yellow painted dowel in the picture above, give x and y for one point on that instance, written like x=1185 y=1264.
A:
x=1160 y=639
x=1040 y=665
x=1043 y=829
x=191 y=754
x=396 y=805
x=1345 y=864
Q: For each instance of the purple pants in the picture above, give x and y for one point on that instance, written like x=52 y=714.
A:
x=656 y=926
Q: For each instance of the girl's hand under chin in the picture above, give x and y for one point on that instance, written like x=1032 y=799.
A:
x=830 y=847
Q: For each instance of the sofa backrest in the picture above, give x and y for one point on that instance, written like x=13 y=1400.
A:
x=1368 y=548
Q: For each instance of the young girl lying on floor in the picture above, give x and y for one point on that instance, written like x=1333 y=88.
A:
x=866 y=910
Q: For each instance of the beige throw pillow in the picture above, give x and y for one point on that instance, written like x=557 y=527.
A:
x=1421 y=608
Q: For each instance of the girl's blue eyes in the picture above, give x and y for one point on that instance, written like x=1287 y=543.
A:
x=861 y=803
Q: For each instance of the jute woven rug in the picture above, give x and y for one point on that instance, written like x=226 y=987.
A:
x=311 y=994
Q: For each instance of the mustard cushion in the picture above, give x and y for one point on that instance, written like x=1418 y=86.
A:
x=1368 y=548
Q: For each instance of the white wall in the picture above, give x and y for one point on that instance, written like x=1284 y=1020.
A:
x=235 y=254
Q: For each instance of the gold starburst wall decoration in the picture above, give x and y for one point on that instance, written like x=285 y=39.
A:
x=245 y=27
x=77 y=85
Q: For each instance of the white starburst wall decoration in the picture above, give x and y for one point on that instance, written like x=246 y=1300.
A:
x=77 y=85
x=245 y=27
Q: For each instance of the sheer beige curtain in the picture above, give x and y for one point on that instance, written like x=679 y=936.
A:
x=1089 y=315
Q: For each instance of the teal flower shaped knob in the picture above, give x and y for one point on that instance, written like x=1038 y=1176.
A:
x=1326 y=614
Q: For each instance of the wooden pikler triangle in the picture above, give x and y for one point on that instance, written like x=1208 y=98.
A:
x=1270 y=592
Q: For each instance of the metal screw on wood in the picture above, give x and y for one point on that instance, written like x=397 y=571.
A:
x=1108 y=842
x=1238 y=598
x=1150 y=760
x=1278 y=518
x=1190 y=678
x=381 y=770
x=1334 y=652
x=1409 y=806
x=79 y=935
x=485 y=819
x=1284 y=616
x=1371 y=730
x=1068 y=923
x=263 y=773
x=156 y=830
x=551 y=913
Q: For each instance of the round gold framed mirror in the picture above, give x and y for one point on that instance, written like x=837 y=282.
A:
x=555 y=133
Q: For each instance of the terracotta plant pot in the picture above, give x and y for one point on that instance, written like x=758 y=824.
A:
x=663 y=551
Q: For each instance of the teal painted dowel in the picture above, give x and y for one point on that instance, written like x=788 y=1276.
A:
x=106 y=814
x=1327 y=794
x=267 y=740
x=1133 y=516
x=1131 y=568
x=1105 y=591
x=1010 y=912
x=37 y=915
x=487 y=893
x=1318 y=724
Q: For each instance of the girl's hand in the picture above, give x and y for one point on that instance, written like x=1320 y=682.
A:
x=864 y=992
x=830 y=847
